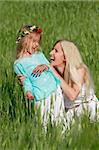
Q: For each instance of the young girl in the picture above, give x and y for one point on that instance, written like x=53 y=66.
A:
x=43 y=89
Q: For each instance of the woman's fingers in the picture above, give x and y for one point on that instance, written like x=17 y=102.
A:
x=21 y=78
x=40 y=68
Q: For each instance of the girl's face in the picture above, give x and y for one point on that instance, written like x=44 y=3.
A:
x=35 y=40
x=57 y=56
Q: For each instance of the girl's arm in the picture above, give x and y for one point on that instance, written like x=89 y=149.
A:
x=25 y=81
x=70 y=92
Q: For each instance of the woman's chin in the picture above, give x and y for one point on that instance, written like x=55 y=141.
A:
x=53 y=64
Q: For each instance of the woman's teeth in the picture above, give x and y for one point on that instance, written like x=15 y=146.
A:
x=52 y=59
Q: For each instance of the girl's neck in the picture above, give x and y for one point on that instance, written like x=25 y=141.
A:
x=26 y=54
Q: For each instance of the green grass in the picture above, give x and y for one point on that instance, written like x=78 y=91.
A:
x=76 y=21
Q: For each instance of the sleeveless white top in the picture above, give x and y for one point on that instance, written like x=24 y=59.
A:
x=81 y=98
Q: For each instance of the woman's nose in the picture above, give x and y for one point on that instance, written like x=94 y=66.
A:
x=51 y=53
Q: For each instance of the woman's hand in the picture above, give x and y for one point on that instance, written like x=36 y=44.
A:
x=21 y=78
x=29 y=95
x=39 y=69
x=70 y=91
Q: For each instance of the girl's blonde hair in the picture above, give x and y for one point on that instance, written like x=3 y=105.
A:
x=25 y=44
x=25 y=38
x=73 y=63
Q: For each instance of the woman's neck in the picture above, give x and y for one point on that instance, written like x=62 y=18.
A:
x=60 y=69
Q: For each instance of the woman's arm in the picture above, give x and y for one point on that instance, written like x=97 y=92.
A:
x=70 y=92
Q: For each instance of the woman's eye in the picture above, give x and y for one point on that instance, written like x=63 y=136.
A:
x=56 y=50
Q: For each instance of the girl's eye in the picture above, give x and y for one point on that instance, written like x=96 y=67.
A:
x=33 y=41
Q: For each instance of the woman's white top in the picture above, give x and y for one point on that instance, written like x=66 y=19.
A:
x=81 y=98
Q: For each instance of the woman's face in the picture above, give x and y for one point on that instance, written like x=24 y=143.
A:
x=57 y=56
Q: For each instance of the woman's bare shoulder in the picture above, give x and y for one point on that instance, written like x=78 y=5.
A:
x=82 y=72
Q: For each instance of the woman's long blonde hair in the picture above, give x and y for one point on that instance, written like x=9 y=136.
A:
x=73 y=63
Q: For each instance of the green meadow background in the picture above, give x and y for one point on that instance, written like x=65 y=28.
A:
x=20 y=127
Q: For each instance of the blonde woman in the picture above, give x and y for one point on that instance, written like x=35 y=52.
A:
x=76 y=83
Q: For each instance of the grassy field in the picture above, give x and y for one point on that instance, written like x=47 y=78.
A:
x=76 y=21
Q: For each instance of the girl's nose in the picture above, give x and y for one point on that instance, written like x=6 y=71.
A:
x=37 y=44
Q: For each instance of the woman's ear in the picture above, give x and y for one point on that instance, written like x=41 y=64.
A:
x=64 y=59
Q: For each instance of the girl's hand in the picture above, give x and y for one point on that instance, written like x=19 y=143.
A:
x=20 y=79
x=39 y=69
x=29 y=95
